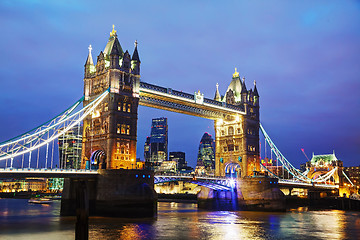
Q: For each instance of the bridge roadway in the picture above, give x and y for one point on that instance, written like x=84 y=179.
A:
x=191 y=104
x=46 y=173
x=224 y=180
x=218 y=183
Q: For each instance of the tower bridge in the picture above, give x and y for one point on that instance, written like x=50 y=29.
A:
x=113 y=90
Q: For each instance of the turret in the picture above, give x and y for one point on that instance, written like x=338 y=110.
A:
x=256 y=95
x=126 y=64
x=100 y=63
x=89 y=64
x=233 y=93
x=217 y=93
x=244 y=92
x=135 y=61
x=115 y=55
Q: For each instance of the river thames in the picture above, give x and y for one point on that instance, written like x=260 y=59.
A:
x=21 y=220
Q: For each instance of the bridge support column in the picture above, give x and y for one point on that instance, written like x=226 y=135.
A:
x=115 y=193
x=255 y=193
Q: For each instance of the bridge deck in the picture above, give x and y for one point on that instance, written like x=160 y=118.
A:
x=46 y=173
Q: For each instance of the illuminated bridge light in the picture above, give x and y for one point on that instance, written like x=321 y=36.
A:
x=137 y=175
x=143 y=176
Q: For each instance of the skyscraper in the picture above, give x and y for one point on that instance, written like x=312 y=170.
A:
x=179 y=157
x=147 y=154
x=158 y=142
x=70 y=144
x=206 y=155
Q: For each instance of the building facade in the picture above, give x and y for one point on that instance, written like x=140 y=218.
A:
x=156 y=146
x=109 y=135
x=179 y=158
x=206 y=154
x=159 y=140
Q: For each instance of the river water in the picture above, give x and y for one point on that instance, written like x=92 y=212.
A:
x=20 y=220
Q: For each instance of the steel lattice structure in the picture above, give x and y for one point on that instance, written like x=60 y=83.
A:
x=47 y=132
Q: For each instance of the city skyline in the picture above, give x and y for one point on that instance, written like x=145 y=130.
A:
x=304 y=57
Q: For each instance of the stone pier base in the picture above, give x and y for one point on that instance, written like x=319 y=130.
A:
x=257 y=193
x=115 y=193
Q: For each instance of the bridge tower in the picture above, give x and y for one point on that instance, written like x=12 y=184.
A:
x=237 y=137
x=109 y=134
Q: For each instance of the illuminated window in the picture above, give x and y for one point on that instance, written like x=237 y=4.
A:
x=129 y=107
x=128 y=129
x=118 y=128
x=251 y=148
x=231 y=131
x=123 y=128
x=119 y=106
x=106 y=107
x=124 y=107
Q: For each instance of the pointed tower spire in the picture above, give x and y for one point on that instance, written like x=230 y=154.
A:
x=135 y=61
x=89 y=60
x=217 y=94
x=135 y=56
x=243 y=87
x=89 y=64
x=256 y=94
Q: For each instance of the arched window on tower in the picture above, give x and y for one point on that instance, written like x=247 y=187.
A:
x=231 y=131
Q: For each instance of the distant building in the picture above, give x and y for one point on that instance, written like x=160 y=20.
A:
x=206 y=154
x=179 y=157
x=70 y=145
x=354 y=175
x=167 y=167
x=159 y=140
x=147 y=155
x=156 y=146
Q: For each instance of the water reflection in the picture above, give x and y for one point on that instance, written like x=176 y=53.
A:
x=19 y=220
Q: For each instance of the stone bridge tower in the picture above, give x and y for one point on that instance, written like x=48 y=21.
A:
x=109 y=137
x=237 y=137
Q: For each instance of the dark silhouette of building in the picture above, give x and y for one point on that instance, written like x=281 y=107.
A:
x=206 y=154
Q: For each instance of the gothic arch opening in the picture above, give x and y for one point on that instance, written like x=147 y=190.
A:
x=232 y=170
x=97 y=159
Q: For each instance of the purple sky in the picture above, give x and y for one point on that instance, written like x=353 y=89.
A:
x=304 y=55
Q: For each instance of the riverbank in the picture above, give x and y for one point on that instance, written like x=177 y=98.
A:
x=28 y=195
x=335 y=203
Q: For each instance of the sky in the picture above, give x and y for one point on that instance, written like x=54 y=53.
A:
x=304 y=56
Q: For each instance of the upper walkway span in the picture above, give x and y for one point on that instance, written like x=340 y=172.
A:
x=191 y=104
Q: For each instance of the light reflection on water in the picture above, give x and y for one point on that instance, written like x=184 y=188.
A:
x=20 y=220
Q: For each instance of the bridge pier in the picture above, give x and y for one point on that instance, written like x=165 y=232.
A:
x=252 y=193
x=114 y=193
